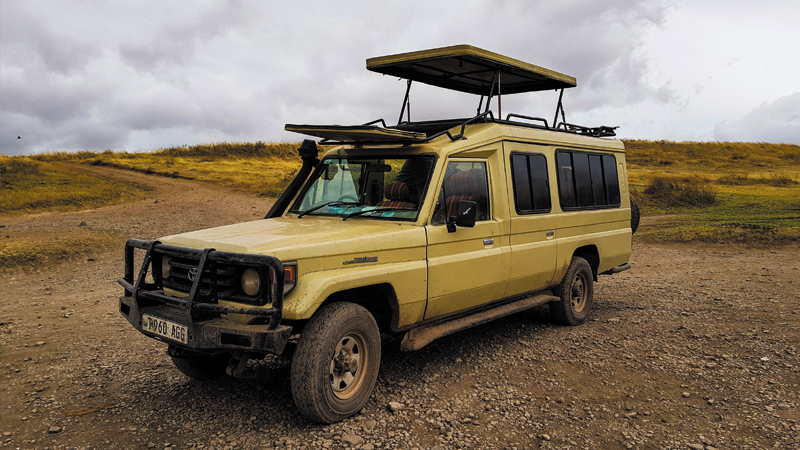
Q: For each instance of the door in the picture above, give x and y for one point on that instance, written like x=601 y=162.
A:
x=465 y=267
x=533 y=225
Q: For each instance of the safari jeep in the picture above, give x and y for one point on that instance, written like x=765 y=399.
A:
x=420 y=229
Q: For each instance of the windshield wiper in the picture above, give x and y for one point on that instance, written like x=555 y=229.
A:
x=358 y=213
x=334 y=203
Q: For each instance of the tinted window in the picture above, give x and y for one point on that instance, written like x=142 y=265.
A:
x=531 y=188
x=522 y=188
x=540 y=185
x=583 y=181
x=598 y=187
x=587 y=180
x=566 y=180
x=611 y=179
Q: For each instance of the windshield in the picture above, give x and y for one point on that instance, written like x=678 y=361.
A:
x=382 y=188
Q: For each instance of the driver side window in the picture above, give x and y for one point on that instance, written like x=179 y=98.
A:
x=464 y=180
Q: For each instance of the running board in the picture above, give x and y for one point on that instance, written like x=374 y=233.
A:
x=617 y=269
x=417 y=338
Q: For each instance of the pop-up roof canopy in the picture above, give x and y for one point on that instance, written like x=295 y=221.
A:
x=470 y=69
x=462 y=68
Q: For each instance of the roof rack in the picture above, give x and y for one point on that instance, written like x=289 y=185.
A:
x=419 y=132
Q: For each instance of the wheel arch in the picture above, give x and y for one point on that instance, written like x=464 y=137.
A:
x=591 y=255
x=379 y=299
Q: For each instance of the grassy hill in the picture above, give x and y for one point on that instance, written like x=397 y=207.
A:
x=719 y=192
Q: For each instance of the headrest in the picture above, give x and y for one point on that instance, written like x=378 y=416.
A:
x=470 y=182
x=397 y=191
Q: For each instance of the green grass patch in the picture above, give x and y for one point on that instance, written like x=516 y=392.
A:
x=716 y=192
x=30 y=186
x=31 y=249
x=765 y=216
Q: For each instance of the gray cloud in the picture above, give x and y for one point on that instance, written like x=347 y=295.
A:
x=80 y=75
x=777 y=121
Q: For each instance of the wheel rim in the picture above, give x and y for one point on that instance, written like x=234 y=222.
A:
x=578 y=294
x=348 y=367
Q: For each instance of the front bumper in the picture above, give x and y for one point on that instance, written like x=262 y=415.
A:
x=202 y=315
x=211 y=336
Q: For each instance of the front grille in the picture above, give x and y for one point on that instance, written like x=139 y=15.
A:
x=227 y=280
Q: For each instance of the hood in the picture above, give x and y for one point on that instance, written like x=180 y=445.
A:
x=290 y=238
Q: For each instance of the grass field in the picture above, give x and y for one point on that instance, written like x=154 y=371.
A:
x=717 y=192
x=34 y=249
x=33 y=185
x=264 y=169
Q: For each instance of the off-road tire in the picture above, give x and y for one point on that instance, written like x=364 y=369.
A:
x=320 y=392
x=635 y=215
x=203 y=367
x=576 y=294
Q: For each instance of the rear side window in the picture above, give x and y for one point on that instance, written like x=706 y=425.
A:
x=587 y=181
x=531 y=187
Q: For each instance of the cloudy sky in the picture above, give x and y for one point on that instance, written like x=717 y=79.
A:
x=140 y=75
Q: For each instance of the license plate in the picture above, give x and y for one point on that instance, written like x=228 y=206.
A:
x=166 y=328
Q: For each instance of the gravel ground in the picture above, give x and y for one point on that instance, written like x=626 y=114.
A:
x=696 y=347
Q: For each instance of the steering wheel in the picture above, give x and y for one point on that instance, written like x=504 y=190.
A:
x=347 y=198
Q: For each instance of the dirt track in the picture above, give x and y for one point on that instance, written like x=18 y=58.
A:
x=695 y=347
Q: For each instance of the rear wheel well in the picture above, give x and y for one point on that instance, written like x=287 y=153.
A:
x=591 y=255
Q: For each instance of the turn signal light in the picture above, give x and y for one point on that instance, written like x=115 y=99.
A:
x=289 y=276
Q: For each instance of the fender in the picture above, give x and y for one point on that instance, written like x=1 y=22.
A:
x=409 y=279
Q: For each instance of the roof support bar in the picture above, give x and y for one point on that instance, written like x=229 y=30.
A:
x=499 y=96
x=560 y=107
x=406 y=103
x=491 y=89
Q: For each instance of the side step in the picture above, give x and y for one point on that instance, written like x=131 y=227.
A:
x=617 y=269
x=416 y=338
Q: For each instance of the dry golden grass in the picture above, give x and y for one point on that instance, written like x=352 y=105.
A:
x=30 y=185
x=264 y=169
x=35 y=249
x=710 y=161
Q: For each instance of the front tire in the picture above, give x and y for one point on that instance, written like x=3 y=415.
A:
x=336 y=363
x=576 y=292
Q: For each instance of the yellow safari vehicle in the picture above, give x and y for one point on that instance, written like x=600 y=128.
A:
x=420 y=229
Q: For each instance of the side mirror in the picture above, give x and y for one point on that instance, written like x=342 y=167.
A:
x=465 y=215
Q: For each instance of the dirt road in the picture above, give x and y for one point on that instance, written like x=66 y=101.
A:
x=695 y=347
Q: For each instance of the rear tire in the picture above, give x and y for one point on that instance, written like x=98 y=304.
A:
x=635 y=215
x=336 y=363
x=576 y=293
x=203 y=367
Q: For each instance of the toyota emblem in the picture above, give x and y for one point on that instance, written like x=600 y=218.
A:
x=192 y=273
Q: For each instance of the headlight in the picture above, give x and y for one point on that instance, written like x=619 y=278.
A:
x=251 y=282
x=166 y=268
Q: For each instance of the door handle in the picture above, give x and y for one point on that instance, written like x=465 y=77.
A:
x=488 y=241
x=551 y=233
